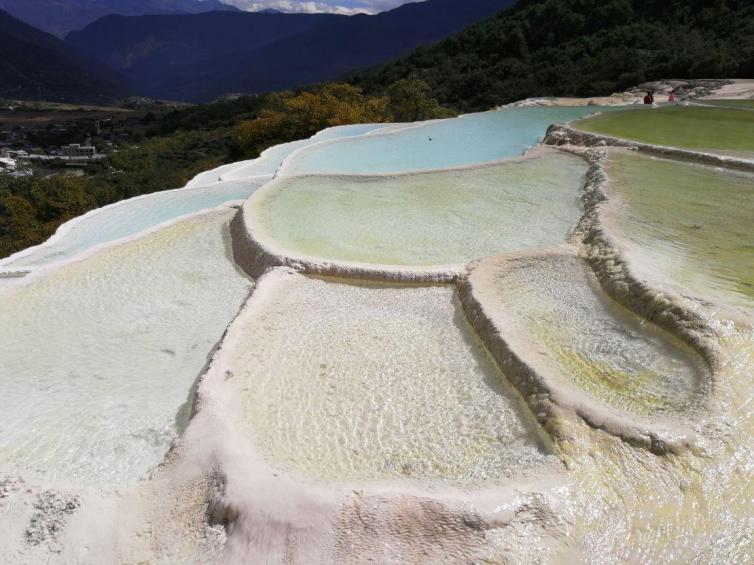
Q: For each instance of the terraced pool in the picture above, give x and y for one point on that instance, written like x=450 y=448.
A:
x=573 y=329
x=387 y=382
x=439 y=218
x=271 y=159
x=467 y=140
x=100 y=356
x=691 y=222
x=720 y=130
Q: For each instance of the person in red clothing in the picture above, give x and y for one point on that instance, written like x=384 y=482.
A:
x=671 y=96
x=649 y=98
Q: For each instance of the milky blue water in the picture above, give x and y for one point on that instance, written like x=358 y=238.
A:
x=130 y=217
x=467 y=140
x=272 y=158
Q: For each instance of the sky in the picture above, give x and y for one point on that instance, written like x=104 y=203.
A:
x=314 y=6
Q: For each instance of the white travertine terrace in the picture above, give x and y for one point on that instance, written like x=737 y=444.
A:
x=264 y=474
x=567 y=135
x=414 y=227
x=391 y=384
x=534 y=333
x=129 y=335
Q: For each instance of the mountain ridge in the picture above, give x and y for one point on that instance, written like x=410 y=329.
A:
x=59 y=17
x=152 y=50
x=37 y=65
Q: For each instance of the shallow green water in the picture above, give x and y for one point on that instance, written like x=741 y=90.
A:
x=742 y=104
x=426 y=219
x=356 y=381
x=691 y=127
x=694 y=224
x=600 y=346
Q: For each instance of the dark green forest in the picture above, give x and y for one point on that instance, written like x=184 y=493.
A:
x=579 y=48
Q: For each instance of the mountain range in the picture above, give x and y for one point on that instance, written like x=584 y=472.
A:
x=37 y=65
x=59 y=17
x=474 y=54
x=169 y=56
x=200 y=57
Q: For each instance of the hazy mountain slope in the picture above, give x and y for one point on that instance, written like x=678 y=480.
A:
x=62 y=16
x=164 y=59
x=36 y=65
x=151 y=50
x=580 y=47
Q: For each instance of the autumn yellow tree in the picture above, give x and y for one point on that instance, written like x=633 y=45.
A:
x=297 y=116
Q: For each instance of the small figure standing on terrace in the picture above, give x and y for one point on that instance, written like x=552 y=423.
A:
x=649 y=98
x=671 y=97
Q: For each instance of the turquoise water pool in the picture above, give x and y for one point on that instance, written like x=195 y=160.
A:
x=467 y=140
x=269 y=161
x=272 y=158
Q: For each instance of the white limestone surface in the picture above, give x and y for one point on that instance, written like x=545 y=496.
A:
x=99 y=356
x=346 y=381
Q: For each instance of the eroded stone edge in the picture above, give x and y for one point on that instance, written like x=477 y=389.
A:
x=565 y=135
x=255 y=253
x=256 y=258
x=548 y=396
x=664 y=308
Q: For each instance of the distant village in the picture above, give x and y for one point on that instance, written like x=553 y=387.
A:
x=47 y=139
x=16 y=162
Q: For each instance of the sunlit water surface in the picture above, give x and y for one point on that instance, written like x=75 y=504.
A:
x=718 y=130
x=627 y=505
x=600 y=346
x=99 y=357
x=271 y=159
x=467 y=140
x=692 y=223
x=348 y=381
x=428 y=219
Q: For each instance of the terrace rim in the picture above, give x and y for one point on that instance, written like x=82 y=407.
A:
x=592 y=241
x=256 y=251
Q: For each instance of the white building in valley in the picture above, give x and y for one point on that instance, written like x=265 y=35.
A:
x=7 y=164
x=78 y=150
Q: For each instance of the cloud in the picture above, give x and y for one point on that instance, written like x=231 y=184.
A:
x=347 y=7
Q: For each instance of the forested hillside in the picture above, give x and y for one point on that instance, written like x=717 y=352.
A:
x=201 y=57
x=580 y=48
x=35 y=65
